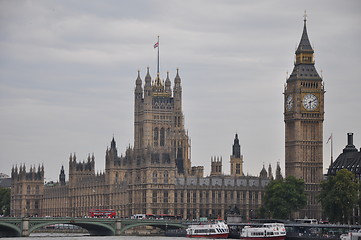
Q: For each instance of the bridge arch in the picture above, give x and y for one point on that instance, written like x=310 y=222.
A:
x=9 y=230
x=94 y=228
x=159 y=224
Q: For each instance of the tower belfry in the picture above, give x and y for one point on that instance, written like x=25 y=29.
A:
x=159 y=121
x=236 y=159
x=303 y=117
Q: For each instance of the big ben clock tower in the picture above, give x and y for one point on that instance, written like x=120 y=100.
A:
x=303 y=116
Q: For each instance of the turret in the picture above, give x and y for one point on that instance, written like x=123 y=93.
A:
x=147 y=85
x=236 y=162
x=216 y=166
x=177 y=91
x=138 y=92
x=167 y=85
x=263 y=173
x=236 y=149
x=62 y=176
x=111 y=154
x=270 y=174
x=278 y=172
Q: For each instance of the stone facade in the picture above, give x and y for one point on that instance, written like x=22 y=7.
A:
x=27 y=190
x=153 y=177
x=303 y=116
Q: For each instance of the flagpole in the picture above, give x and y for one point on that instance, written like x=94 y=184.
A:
x=331 y=148
x=158 y=57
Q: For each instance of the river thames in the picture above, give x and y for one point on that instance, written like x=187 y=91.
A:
x=70 y=236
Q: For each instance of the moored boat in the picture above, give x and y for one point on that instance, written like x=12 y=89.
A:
x=351 y=236
x=216 y=229
x=269 y=231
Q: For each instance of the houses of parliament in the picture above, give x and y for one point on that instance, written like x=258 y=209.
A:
x=156 y=175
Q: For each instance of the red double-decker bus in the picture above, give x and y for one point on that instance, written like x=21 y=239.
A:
x=102 y=213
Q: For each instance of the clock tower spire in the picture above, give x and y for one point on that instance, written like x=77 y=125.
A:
x=303 y=117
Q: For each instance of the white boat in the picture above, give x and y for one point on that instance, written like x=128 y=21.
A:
x=351 y=236
x=270 y=231
x=216 y=229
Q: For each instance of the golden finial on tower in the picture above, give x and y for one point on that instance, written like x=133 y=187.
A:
x=305 y=16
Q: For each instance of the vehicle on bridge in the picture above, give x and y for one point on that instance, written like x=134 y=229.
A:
x=103 y=213
x=307 y=220
x=157 y=216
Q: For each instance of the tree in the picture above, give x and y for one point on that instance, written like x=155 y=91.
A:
x=284 y=196
x=5 y=201
x=339 y=196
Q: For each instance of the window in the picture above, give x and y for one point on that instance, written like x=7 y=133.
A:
x=155 y=196
x=175 y=197
x=155 y=177
x=165 y=177
x=238 y=168
x=162 y=137
x=165 y=195
x=155 y=137
x=27 y=205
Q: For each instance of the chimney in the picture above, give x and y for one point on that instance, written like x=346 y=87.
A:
x=350 y=147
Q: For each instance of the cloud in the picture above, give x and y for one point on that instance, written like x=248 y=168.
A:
x=67 y=73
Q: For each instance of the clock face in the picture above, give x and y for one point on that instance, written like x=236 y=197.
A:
x=310 y=102
x=289 y=102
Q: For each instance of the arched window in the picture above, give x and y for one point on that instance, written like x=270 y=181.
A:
x=155 y=177
x=155 y=136
x=162 y=137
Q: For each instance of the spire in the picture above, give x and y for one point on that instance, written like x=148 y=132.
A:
x=62 y=176
x=236 y=150
x=270 y=175
x=167 y=84
x=278 y=172
x=113 y=144
x=177 y=79
x=304 y=66
x=263 y=173
x=148 y=78
x=138 y=82
x=304 y=45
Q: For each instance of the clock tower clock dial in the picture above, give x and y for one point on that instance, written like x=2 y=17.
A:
x=289 y=103
x=310 y=102
x=303 y=117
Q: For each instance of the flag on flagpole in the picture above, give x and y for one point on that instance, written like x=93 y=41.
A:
x=156 y=44
x=330 y=138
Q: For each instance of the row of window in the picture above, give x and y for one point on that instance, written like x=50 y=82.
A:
x=310 y=84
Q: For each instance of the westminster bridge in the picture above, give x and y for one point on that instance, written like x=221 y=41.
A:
x=22 y=227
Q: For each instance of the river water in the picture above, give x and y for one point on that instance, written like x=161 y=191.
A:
x=75 y=236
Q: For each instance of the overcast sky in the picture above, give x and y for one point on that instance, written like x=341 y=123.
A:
x=68 y=71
